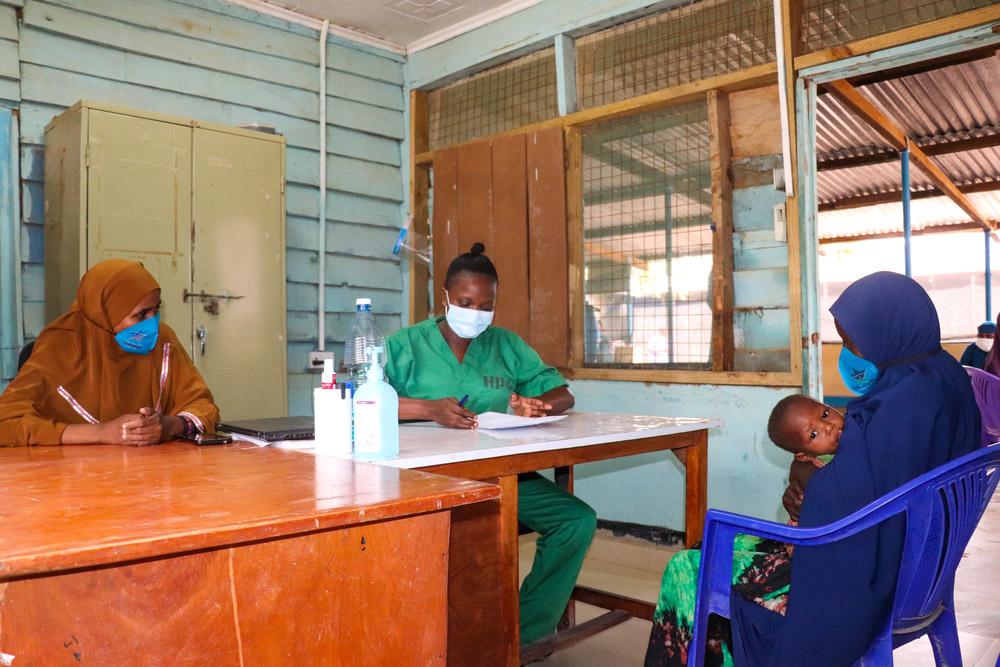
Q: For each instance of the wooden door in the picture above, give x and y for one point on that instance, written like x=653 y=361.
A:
x=139 y=203
x=238 y=260
x=509 y=193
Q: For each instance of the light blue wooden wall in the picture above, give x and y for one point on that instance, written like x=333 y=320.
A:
x=216 y=62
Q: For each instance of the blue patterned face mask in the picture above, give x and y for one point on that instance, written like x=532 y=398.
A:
x=140 y=338
x=858 y=374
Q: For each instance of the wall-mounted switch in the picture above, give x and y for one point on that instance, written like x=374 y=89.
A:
x=780 y=222
x=316 y=360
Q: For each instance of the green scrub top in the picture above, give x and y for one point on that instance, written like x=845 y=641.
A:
x=497 y=364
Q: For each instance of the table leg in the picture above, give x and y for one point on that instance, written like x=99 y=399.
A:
x=564 y=478
x=510 y=599
x=696 y=493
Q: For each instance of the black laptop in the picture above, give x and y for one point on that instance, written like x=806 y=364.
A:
x=272 y=429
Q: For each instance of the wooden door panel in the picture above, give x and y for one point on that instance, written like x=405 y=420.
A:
x=475 y=196
x=139 y=203
x=548 y=259
x=445 y=224
x=509 y=193
x=508 y=246
x=239 y=251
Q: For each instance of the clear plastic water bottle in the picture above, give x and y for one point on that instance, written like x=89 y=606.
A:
x=365 y=335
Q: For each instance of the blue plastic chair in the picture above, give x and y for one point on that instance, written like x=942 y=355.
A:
x=986 y=387
x=942 y=510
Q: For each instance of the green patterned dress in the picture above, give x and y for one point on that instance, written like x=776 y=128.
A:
x=761 y=572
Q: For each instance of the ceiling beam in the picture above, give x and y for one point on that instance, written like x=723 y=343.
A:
x=942 y=148
x=862 y=201
x=857 y=102
x=912 y=69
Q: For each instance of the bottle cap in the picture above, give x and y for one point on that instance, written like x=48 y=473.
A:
x=363 y=302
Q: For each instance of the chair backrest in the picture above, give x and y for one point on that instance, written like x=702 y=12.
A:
x=943 y=508
x=24 y=354
x=986 y=387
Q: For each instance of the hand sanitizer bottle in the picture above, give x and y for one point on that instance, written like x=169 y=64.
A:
x=331 y=415
x=376 y=414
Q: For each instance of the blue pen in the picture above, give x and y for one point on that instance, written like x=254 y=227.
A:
x=465 y=399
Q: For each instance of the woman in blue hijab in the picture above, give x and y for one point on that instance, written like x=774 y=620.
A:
x=915 y=412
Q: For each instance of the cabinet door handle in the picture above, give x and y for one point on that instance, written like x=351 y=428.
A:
x=202 y=334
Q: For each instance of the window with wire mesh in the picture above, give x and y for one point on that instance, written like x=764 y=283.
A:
x=502 y=98
x=647 y=236
x=688 y=43
x=827 y=23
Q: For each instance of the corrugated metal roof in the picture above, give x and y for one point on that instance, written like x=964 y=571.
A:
x=953 y=103
x=888 y=218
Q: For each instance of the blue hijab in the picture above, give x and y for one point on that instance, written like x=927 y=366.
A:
x=920 y=414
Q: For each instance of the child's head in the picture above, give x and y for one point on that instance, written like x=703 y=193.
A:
x=800 y=425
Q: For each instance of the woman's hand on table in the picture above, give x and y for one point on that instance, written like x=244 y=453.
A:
x=529 y=407
x=149 y=427
x=447 y=412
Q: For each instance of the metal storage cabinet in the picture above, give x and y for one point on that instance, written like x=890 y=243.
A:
x=202 y=206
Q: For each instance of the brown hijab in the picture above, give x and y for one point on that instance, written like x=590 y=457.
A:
x=77 y=373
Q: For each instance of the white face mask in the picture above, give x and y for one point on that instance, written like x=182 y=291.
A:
x=467 y=322
x=984 y=344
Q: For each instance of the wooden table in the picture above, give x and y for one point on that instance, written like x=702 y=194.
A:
x=233 y=555
x=483 y=611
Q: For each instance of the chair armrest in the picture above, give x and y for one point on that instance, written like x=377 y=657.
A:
x=852 y=524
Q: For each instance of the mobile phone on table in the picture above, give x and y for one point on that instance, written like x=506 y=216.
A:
x=209 y=439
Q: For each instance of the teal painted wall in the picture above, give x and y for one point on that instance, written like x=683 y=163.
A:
x=216 y=62
x=746 y=472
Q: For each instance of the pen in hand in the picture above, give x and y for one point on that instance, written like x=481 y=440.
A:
x=463 y=401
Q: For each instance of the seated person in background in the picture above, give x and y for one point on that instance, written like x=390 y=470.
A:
x=975 y=354
x=107 y=371
x=435 y=363
x=806 y=428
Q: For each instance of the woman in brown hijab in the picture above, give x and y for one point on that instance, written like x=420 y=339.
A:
x=107 y=371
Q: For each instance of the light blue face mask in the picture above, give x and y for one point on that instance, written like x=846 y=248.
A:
x=140 y=338
x=858 y=374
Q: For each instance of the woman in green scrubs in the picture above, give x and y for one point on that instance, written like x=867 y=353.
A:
x=432 y=365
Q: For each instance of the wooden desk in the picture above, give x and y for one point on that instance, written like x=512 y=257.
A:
x=235 y=555
x=483 y=612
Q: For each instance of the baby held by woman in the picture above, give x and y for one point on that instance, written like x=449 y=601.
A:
x=807 y=428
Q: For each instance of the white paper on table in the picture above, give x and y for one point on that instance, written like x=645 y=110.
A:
x=294 y=444
x=497 y=420
x=260 y=442
x=280 y=444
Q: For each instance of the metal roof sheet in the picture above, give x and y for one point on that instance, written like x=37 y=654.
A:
x=952 y=103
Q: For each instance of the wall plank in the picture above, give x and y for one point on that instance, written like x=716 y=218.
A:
x=128 y=36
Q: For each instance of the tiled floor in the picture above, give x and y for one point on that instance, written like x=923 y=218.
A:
x=634 y=568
